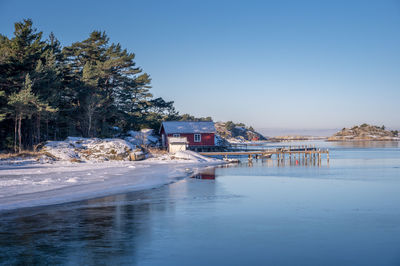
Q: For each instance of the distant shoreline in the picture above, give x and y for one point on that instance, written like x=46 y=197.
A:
x=295 y=138
x=360 y=140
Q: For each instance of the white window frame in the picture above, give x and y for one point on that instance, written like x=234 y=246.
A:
x=176 y=135
x=198 y=139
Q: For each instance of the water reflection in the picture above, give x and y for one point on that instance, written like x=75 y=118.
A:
x=208 y=174
x=328 y=144
x=238 y=214
x=288 y=161
x=97 y=231
x=88 y=232
x=366 y=144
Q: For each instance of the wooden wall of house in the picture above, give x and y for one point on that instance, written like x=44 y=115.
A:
x=207 y=139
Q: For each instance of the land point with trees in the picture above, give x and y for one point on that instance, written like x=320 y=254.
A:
x=90 y=89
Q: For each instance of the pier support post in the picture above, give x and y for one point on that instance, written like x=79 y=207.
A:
x=327 y=156
x=319 y=157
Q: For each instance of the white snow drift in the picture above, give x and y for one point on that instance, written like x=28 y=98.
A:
x=90 y=149
x=34 y=184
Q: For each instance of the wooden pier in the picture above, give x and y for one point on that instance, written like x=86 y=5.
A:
x=305 y=154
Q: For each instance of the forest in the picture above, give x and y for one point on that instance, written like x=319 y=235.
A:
x=92 y=88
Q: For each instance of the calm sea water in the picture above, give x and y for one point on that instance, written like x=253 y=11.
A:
x=344 y=213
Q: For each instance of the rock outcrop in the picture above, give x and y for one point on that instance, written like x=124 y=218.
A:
x=77 y=149
x=239 y=132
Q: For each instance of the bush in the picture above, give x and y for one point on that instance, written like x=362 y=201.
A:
x=230 y=125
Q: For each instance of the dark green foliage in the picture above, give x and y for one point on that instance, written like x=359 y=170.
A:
x=19 y=57
x=230 y=125
x=25 y=104
x=187 y=117
x=86 y=89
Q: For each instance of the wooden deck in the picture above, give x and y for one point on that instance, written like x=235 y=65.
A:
x=292 y=153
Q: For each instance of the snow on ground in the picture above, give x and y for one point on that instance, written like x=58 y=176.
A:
x=191 y=155
x=90 y=149
x=34 y=184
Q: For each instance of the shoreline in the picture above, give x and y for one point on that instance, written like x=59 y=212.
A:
x=35 y=185
x=357 y=140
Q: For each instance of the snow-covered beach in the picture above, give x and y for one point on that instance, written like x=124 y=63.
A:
x=27 y=183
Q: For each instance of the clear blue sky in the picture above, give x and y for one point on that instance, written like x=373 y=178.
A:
x=270 y=64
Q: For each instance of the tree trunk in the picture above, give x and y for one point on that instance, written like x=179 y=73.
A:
x=104 y=127
x=90 y=113
x=47 y=128
x=90 y=125
x=32 y=134
x=19 y=133
x=15 y=133
x=38 y=127
x=55 y=129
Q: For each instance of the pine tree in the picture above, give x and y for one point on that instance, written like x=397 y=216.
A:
x=25 y=49
x=18 y=58
x=109 y=87
x=83 y=89
x=24 y=104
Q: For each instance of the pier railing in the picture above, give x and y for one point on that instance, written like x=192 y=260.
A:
x=305 y=153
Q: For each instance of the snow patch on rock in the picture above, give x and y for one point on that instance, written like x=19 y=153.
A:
x=90 y=149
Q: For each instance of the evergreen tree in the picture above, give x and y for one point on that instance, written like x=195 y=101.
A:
x=25 y=104
x=188 y=117
x=18 y=58
x=22 y=53
x=47 y=85
x=109 y=87
x=50 y=92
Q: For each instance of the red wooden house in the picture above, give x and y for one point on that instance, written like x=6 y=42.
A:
x=200 y=135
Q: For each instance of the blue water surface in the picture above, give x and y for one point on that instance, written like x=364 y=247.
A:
x=342 y=213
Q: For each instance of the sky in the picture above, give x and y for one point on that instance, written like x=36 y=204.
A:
x=269 y=64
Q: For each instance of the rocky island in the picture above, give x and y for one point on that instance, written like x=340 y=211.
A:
x=365 y=132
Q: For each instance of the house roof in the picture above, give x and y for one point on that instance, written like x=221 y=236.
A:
x=171 y=127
